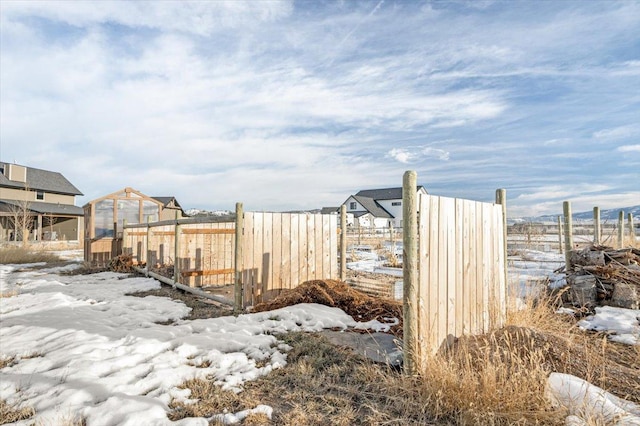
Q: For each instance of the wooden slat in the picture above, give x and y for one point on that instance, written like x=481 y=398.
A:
x=326 y=246
x=276 y=253
x=295 y=250
x=247 y=254
x=267 y=255
x=285 y=263
x=434 y=248
x=161 y=233
x=459 y=270
x=487 y=210
x=258 y=250
x=205 y=231
x=137 y=233
x=424 y=287
x=200 y=273
x=303 y=255
x=450 y=207
x=469 y=266
x=311 y=246
x=442 y=271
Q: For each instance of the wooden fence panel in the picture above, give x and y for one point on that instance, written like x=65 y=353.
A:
x=462 y=287
x=288 y=249
x=280 y=251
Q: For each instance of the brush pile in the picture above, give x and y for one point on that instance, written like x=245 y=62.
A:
x=338 y=294
x=603 y=275
x=122 y=263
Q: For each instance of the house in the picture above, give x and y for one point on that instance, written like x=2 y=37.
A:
x=104 y=218
x=170 y=207
x=38 y=205
x=378 y=208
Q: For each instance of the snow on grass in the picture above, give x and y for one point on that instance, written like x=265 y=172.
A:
x=82 y=346
x=588 y=404
x=622 y=325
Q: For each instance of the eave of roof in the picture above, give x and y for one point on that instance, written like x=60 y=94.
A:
x=39 y=207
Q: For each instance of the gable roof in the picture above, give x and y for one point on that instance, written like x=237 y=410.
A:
x=372 y=206
x=41 y=180
x=385 y=193
x=167 y=203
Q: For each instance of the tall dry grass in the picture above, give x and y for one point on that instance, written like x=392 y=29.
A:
x=10 y=413
x=19 y=255
x=499 y=378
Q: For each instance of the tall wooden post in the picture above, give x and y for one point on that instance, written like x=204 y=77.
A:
x=410 y=272
x=632 y=230
x=125 y=234
x=237 y=261
x=568 y=234
x=38 y=234
x=621 y=229
x=343 y=242
x=147 y=257
x=501 y=198
x=561 y=249
x=177 y=234
x=597 y=231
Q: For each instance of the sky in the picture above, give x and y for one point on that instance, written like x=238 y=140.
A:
x=287 y=105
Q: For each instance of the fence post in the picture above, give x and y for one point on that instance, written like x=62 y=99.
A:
x=632 y=231
x=124 y=236
x=237 y=261
x=147 y=259
x=410 y=272
x=501 y=198
x=560 y=235
x=343 y=242
x=568 y=234
x=176 y=251
x=597 y=232
x=621 y=229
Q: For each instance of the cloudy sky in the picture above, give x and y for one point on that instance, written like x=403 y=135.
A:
x=296 y=105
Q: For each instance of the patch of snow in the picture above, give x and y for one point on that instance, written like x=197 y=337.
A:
x=588 y=404
x=622 y=325
x=83 y=346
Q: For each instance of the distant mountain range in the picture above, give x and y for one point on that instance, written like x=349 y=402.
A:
x=609 y=215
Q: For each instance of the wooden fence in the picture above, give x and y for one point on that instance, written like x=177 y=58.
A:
x=278 y=251
x=458 y=282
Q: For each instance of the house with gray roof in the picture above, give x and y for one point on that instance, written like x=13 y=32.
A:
x=378 y=208
x=37 y=205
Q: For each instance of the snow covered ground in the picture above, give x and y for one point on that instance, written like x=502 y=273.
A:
x=82 y=347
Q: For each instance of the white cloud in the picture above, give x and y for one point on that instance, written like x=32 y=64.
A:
x=629 y=148
x=198 y=17
x=401 y=155
x=617 y=133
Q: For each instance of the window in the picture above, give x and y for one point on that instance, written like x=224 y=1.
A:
x=40 y=195
x=352 y=205
x=104 y=219
x=396 y=203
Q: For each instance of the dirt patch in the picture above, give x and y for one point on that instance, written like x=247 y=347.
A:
x=200 y=307
x=339 y=295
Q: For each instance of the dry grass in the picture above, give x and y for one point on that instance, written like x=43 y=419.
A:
x=495 y=379
x=19 y=255
x=9 y=293
x=10 y=413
